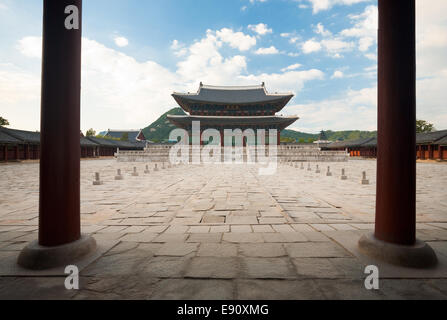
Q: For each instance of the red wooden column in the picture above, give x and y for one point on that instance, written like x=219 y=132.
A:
x=279 y=138
x=60 y=242
x=440 y=152
x=396 y=175
x=5 y=150
x=394 y=239
x=430 y=152
x=59 y=211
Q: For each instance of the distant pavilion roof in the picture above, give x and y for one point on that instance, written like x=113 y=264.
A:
x=6 y=138
x=430 y=137
x=442 y=142
x=24 y=136
x=132 y=134
x=238 y=95
x=363 y=142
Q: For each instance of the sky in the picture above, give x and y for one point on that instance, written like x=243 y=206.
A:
x=136 y=53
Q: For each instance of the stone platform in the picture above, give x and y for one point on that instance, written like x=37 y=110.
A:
x=223 y=232
x=284 y=153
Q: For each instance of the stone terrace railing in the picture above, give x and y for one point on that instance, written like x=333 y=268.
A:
x=285 y=153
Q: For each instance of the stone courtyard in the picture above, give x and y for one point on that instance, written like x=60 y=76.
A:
x=222 y=232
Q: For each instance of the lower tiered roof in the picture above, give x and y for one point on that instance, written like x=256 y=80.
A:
x=233 y=122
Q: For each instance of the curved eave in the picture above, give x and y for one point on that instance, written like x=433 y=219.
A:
x=232 y=121
x=185 y=101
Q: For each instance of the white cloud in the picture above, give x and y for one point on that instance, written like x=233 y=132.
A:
x=291 y=67
x=287 y=81
x=337 y=75
x=431 y=31
x=121 y=42
x=431 y=41
x=356 y=109
x=336 y=45
x=261 y=29
x=30 y=47
x=175 y=45
x=311 y=46
x=294 y=39
x=321 y=5
x=19 y=96
x=431 y=37
x=364 y=29
x=371 y=56
x=265 y=51
x=237 y=40
x=333 y=46
x=204 y=62
x=320 y=29
x=178 y=48
x=131 y=93
x=254 y=1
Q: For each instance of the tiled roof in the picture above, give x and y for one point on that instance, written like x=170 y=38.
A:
x=233 y=95
x=218 y=121
x=23 y=136
x=11 y=136
x=7 y=139
x=364 y=142
x=87 y=143
x=430 y=137
x=442 y=142
x=437 y=137
x=372 y=143
x=117 y=143
x=119 y=134
x=102 y=142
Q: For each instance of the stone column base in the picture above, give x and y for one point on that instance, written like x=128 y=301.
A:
x=419 y=255
x=37 y=257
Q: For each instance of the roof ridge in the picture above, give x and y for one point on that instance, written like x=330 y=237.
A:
x=207 y=86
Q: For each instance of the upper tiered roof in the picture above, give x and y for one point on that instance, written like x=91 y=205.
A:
x=232 y=95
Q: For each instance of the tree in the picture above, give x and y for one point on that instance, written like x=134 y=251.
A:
x=91 y=133
x=125 y=137
x=4 y=122
x=423 y=126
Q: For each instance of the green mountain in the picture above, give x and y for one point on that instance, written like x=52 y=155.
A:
x=160 y=129
x=331 y=135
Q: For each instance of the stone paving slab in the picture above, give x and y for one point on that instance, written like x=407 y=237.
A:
x=9 y=266
x=223 y=232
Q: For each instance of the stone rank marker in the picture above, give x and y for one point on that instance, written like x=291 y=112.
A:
x=97 y=181
x=135 y=173
x=364 y=181
x=119 y=176
x=318 y=169
x=329 y=173
x=156 y=167
x=343 y=175
x=147 y=171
